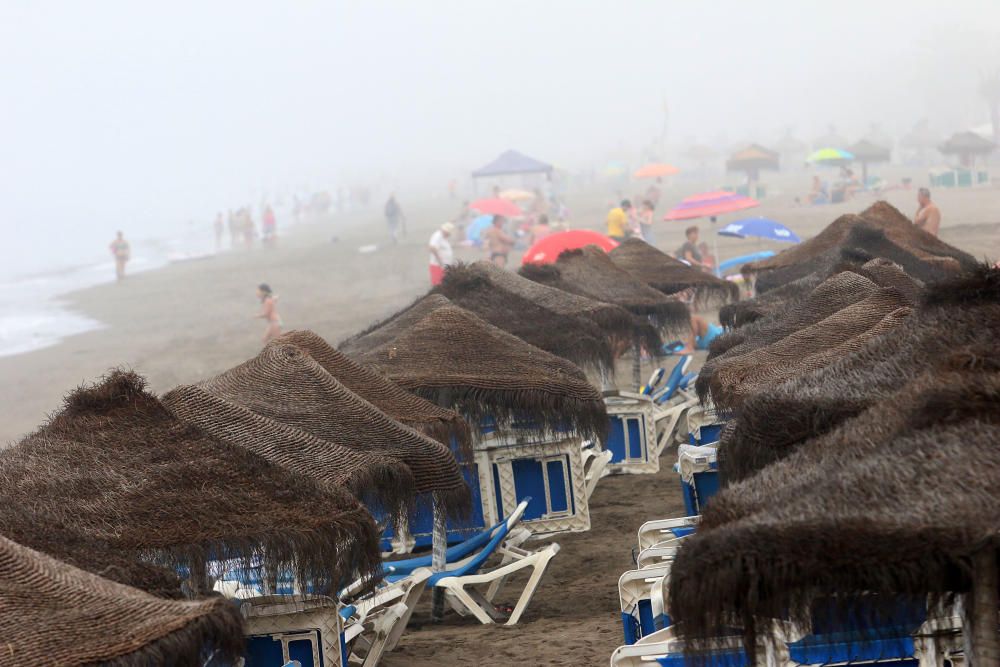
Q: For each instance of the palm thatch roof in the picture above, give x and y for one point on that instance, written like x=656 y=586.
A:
x=439 y=423
x=904 y=520
x=967 y=143
x=453 y=357
x=833 y=294
x=661 y=271
x=960 y=314
x=896 y=227
x=373 y=477
x=753 y=158
x=807 y=349
x=487 y=291
x=49 y=612
x=114 y=471
x=286 y=385
x=590 y=272
x=868 y=151
x=386 y=330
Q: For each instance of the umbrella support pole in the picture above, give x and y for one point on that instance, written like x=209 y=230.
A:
x=982 y=639
x=439 y=560
x=637 y=364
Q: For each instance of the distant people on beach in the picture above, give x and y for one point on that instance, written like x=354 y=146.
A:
x=618 y=220
x=653 y=193
x=928 y=215
x=269 y=312
x=539 y=230
x=121 y=251
x=269 y=227
x=394 y=218
x=498 y=242
x=645 y=219
x=219 y=227
x=689 y=250
x=442 y=255
x=819 y=194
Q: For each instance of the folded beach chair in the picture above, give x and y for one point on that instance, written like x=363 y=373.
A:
x=462 y=573
x=654 y=532
x=374 y=622
x=698 y=468
x=663 y=648
x=641 y=601
x=595 y=462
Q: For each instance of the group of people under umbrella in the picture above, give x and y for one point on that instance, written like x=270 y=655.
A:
x=859 y=392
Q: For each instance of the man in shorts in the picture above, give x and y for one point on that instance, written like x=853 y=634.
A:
x=498 y=242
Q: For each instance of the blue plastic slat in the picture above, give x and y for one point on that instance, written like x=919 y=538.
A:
x=616 y=439
x=557 y=485
x=528 y=482
x=635 y=437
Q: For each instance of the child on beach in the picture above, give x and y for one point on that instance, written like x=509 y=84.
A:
x=269 y=312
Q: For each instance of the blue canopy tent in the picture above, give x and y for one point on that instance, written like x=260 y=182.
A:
x=511 y=163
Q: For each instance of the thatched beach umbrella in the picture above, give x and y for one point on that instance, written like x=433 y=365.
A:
x=961 y=314
x=867 y=152
x=807 y=349
x=967 y=146
x=286 y=385
x=55 y=614
x=661 y=271
x=370 y=476
x=439 y=423
x=896 y=227
x=930 y=511
x=115 y=469
x=590 y=272
x=454 y=358
x=502 y=298
x=384 y=331
x=752 y=160
x=833 y=294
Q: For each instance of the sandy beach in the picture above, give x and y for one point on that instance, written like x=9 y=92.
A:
x=190 y=320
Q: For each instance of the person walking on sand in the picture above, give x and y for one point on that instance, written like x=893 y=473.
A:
x=269 y=227
x=220 y=229
x=121 y=251
x=393 y=217
x=928 y=216
x=498 y=242
x=269 y=312
x=645 y=218
x=442 y=255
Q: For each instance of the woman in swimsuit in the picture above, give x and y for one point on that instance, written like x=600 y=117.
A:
x=269 y=312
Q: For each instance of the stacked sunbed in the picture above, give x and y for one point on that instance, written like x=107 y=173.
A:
x=856 y=408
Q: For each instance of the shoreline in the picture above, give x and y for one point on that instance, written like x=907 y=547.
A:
x=186 y=321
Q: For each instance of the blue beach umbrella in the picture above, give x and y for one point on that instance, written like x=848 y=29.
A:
x=476 y=228
x=760 y=228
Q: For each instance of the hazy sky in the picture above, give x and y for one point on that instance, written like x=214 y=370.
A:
x=138 y=114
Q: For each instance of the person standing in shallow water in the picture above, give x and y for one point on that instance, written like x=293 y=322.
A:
x=121 y=251
x=269 y=312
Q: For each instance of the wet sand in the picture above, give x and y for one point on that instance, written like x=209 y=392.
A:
x=191 y=320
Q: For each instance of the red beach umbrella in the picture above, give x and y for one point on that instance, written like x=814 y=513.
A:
x=497 y=206
x=548 y=249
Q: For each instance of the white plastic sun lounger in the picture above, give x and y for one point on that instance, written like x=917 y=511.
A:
x=460 y=579
x=375 y=622
x=654 y=532
x=595 y=462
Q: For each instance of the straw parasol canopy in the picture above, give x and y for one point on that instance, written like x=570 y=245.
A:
x=454 y=358
x=807 y=349
x=907 y=520
x=867 y=152
x=501 y=298
x=49 y=612
x=616 y=323
x=882 y=216
x=963 y=313
x=752 y=160
x=835 y=293
x=661 y=271
x=439 y=423
x=115 y=471
x=286 y=385
x=590 y=272
x=967 y=146
x=370 y=476
x=385 y=331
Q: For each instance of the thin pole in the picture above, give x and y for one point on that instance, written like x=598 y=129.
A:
x=439 y=560
x=637 y=363
x=980 y=628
